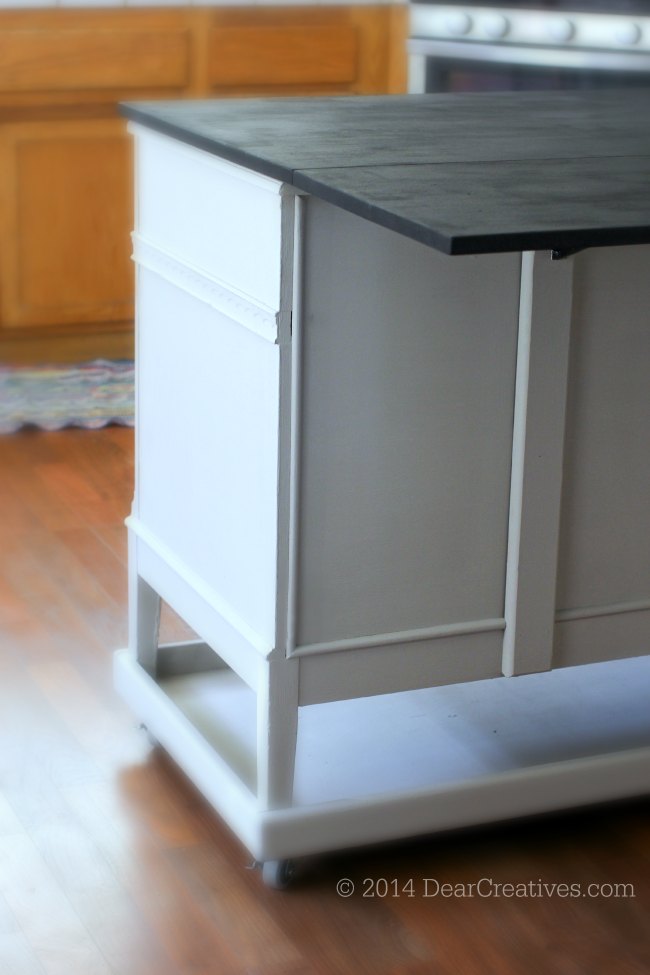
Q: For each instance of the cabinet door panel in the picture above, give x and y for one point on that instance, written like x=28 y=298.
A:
x=306 y=50
x=67 y=216
x=283 y=55
x=66 y=60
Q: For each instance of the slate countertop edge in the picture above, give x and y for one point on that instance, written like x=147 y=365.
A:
x=455 y=241
x=468 y=243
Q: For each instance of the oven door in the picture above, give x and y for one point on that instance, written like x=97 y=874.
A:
x=452 y=66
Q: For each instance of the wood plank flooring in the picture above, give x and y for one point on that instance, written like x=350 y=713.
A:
x=110 y=864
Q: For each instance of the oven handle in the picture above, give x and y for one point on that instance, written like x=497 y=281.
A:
x=531 y=56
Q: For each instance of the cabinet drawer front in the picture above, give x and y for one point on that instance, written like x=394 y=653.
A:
x=212 y=216
x=287 y=55
x=64 y=60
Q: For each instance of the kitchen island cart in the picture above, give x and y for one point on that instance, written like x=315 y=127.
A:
x=392 y=459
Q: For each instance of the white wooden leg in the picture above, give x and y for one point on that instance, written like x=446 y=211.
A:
x=277 y=729
x=144 y=615
x=277 y=687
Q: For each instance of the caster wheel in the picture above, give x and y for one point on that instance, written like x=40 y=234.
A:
x=278 y=874
x=148 y=736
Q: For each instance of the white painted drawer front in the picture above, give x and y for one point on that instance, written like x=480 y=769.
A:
x=208 y=455
x=211 y=215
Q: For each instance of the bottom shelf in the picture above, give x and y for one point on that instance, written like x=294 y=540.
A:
x=402 y=764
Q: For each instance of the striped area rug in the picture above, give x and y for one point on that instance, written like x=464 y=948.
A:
x=91 y=394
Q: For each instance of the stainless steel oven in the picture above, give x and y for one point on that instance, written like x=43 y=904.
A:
x=548 y=45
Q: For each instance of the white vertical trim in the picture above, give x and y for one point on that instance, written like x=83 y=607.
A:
x=296 y=423
x=518 y=460
x=537 y=456
x=137 y=176
x=277 y=690
x=284 y=415
x=416 y=70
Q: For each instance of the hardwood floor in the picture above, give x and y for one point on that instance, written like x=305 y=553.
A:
x=110 y=864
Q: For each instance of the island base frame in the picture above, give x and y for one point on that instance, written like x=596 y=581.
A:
x=385 y=814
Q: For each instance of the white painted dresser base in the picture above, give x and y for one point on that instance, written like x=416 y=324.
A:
x=374 y=479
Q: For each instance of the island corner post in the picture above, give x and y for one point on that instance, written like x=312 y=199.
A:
x=375 y=478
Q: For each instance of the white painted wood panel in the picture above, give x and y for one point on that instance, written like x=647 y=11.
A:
x=584 y=639
x=208 y=394
x=211 y=215
x=361 y=672
x=202 y=608
x=408 y=390
x=604 y=564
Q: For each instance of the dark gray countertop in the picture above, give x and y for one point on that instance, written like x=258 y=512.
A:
x=465 y=174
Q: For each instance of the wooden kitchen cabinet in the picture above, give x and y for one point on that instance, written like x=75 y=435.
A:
x=296 y=50
x=65 y=220
x=66 y=280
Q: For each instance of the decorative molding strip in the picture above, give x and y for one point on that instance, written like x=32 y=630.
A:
x=402 y=636
x=206 y=593
x=235 y=305
x=590 y=612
